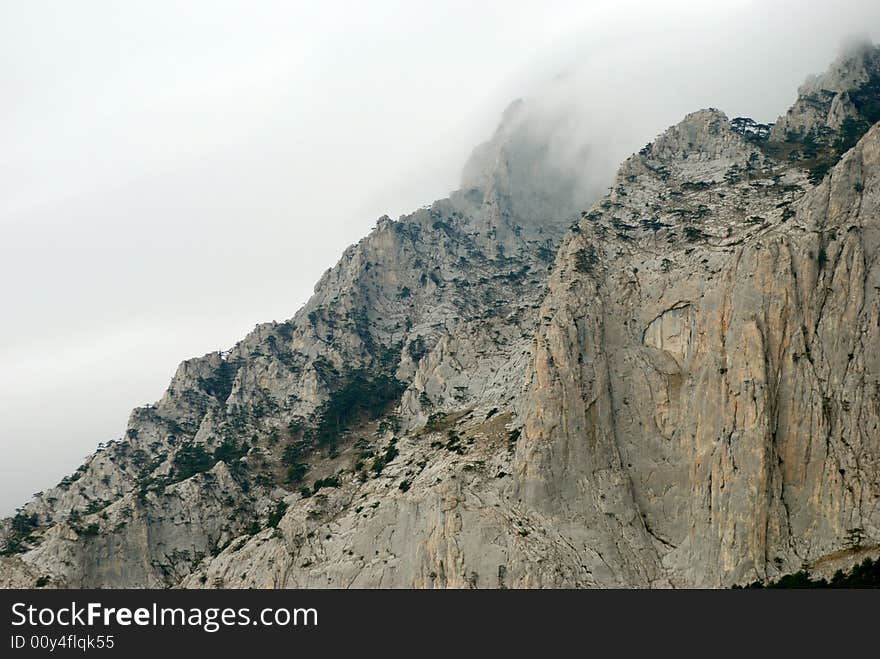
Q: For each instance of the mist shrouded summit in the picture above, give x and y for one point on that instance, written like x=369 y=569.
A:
x=672 y=387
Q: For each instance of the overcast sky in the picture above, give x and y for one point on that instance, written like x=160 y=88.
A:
x=172 y=173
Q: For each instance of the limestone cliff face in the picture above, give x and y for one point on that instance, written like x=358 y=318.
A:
x=707 y=375
x=681 y=388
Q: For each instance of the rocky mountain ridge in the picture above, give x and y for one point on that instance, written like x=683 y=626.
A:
x=677 y=388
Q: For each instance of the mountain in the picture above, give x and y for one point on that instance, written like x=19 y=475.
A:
x=677 y=387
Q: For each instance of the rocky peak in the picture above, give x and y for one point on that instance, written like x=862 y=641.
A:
x=700 y=135
x=702 y=147
x=484 y=159
x=838 y=106
x=518 y=186
x=854 y=67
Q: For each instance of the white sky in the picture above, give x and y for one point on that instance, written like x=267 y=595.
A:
x=172 y=173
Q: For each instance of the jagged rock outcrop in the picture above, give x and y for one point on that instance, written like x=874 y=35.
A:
x=845 y=94
x=681 y=388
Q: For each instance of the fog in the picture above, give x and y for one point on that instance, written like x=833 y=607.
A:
x=173 y=173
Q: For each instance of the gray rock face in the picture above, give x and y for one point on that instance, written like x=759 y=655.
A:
x=705 y=379
x=681 y=388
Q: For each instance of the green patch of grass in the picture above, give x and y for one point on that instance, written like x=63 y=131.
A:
x=190 y=460
x=380 y=462
x=229 y=451
x=276 y=515
x=363 y=396
x=296 y=472
x=585 y=260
